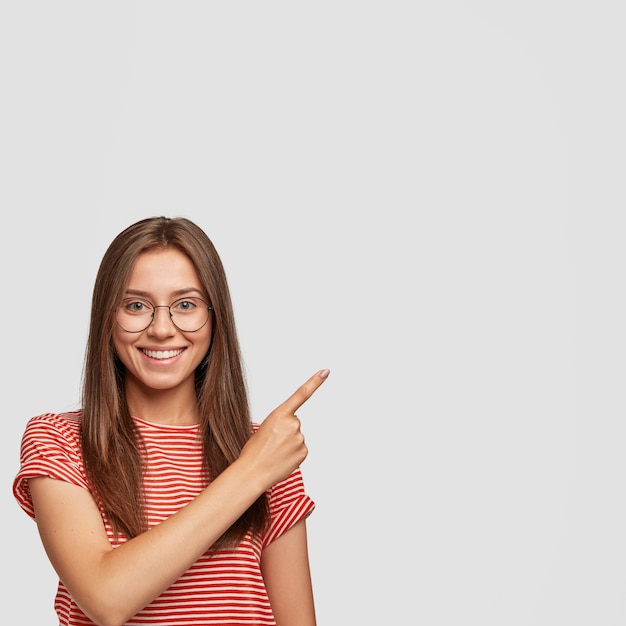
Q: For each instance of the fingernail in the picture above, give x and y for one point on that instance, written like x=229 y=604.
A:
x=324 y=373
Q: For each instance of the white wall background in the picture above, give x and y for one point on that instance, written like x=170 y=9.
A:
x=426 y=197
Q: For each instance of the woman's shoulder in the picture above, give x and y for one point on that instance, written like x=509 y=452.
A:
x=67 y=422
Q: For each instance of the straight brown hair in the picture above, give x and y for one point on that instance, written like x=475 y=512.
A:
x=110 y=443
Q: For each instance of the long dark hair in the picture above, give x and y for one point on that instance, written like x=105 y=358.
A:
x=110 y=445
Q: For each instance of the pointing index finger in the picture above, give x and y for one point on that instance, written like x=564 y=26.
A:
x=304 y=392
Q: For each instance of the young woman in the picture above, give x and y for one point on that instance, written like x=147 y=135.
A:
x=160 y=502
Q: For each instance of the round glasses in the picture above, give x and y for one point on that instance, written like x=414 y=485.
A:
x=187 y=314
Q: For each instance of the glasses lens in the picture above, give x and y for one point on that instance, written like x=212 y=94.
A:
x=134 y=315
x=189 y=314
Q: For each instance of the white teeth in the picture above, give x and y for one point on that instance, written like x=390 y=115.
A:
x=161 y=354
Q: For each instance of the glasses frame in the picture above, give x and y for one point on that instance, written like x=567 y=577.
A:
x=169 y=310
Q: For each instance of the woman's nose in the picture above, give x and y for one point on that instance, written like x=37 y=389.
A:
x=162 y=323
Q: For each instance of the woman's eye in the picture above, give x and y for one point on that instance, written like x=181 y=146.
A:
x=185 y=305
x=136 y=306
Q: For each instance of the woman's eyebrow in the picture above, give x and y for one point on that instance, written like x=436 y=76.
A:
x=187 y=290
x=178 y=292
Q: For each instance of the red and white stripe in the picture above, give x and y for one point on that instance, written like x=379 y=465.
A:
x=224 y=588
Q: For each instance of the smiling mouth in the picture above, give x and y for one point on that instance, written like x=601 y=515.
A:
x=162 y=354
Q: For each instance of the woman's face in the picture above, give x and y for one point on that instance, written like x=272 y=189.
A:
x=162 y=356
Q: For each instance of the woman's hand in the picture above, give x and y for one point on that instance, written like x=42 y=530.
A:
x=278 y=448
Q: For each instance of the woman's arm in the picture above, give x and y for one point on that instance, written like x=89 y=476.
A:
x=285 y=567
x=111 y=584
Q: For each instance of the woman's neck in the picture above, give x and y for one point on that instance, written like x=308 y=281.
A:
x=176 y=407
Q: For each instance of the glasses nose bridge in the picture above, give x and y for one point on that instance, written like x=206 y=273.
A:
x=161 y=306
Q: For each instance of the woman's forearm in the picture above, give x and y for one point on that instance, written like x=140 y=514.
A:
x=112 y=584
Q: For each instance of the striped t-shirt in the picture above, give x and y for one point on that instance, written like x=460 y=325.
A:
x=225 y=587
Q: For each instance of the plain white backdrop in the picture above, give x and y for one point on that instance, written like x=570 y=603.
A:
x=425 y=197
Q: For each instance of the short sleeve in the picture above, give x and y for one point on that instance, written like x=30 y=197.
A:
x=288 y=505
x=50 y=447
